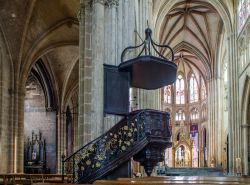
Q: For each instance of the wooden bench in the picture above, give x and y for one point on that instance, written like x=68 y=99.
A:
x=175 y=180
x=58 y=184
x=29 y=179
x=188 y=178
x=6 y=179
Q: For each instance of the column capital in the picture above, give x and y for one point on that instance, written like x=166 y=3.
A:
x=80 y=12
x=83 y=5
x=111 y=3
x=108 y=3
x=98 y=1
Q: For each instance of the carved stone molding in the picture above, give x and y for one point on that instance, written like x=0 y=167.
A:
x=98 y=1
x=111 y=3
x=108 y=3
x=80 y=11
x=245 y=126
x=82 y=8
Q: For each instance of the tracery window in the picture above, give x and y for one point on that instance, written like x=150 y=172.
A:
x=194 y=114
x=180 y=115
x=243 y=12
x=193 y=89
x=167 y=94
x=180 y=94
x=203 y=90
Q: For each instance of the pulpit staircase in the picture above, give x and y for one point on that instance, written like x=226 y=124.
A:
x=142 y=134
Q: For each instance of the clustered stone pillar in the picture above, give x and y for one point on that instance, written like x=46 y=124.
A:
x=97 y=69
x=146 y=98
x=83 y=129
x=19 y=130
x=110 y=42
x=8 y=126
x=79 y=129
x=234 y=124
x=113 y=25
x=215 y=120
x=111 y=30
x=244 y=94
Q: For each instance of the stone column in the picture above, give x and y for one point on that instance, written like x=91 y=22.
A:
x=215 y=120
x=245 y=132
x=59 y=137
x=146 y=98
x=18 y=128
x=97 y=69
x=85 y=75
x=110 y=42
x=1 y=115
x=7 y=147
x=234 y=124
x=80 y=126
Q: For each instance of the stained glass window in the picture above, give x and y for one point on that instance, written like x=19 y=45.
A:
x=167 y=94
x=180 y=115
x=180 y=95
x=243 y=12
x=193 y=89
x=194 y=114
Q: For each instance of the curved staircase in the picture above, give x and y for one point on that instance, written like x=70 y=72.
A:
x=142 y=134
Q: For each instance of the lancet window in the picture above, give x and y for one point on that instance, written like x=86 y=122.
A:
x=193 y=89
x=180 y=90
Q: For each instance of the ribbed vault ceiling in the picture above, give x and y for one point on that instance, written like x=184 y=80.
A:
x=46 y=29
x=193 y=28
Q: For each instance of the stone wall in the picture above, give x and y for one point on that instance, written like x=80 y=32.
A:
x=36 y=119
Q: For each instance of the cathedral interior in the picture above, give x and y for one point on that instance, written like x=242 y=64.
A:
x=52 y=79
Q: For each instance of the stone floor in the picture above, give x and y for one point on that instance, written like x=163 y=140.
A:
x=190 y=171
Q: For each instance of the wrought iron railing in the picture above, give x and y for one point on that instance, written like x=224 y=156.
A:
x=95 y=157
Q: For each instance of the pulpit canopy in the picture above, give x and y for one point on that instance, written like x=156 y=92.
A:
x=146 y=70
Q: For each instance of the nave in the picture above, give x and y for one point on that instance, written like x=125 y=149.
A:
x=53 y=112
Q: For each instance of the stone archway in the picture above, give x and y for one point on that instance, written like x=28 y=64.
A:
x=245 y=131
x=248 y=133
x=40 y=120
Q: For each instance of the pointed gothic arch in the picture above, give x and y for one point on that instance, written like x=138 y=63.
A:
x=40 y=47
x=245 y=119
x=192 y=49
x=40 y=112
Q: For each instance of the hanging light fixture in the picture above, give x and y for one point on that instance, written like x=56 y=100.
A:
x=150 y=69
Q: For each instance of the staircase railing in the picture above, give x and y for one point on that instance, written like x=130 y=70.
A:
x=97 y=157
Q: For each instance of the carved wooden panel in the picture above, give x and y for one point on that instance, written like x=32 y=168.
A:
x=116 y=90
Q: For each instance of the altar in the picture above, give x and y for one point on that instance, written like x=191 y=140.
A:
x=35 y=154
